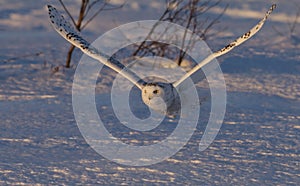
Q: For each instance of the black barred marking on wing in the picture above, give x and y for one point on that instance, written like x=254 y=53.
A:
x=228 y=47
x=73 y=36
x=247 y=35
x=65 y=29
x=59 y=22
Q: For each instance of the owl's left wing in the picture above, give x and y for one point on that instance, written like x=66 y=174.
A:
x=227 y=48
x=67 y=31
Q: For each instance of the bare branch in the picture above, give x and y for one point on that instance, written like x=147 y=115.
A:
x=85 y=8
x=204 y=33
x=293 y=25
x=278 y=32
x=67 y=11
x=81 y=16
x=186 y=13
x=90 y=6
x=102 y=8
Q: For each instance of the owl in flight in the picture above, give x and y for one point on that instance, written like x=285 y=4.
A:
x=159 y=96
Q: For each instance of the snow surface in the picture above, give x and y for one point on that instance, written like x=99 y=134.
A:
x=40 y=143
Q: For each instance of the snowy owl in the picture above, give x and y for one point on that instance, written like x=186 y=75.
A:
x=159 y=96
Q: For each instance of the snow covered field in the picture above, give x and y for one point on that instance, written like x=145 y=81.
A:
x=41 y=144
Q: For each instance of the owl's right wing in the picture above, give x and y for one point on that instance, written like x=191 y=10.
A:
x=65 y=29
x=228 y=47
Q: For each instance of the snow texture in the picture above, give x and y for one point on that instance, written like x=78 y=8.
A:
x=258 y=143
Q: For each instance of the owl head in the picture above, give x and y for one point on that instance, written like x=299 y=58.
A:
x=158 y=96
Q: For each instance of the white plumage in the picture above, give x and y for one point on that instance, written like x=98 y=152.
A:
x=159 y=96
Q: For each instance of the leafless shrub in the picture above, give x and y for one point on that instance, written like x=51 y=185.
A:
x=292 y=27
x=187 y=13
x=89 y=9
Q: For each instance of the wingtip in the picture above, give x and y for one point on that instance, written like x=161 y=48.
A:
x=49 y=7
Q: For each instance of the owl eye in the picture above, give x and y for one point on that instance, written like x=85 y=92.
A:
x=155 y=91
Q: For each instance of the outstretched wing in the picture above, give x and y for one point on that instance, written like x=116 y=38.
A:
x=65 y=29
x=227 y=48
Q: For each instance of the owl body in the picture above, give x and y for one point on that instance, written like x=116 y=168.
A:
x=159 y=96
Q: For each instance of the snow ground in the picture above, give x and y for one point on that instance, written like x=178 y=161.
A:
x=258 y=143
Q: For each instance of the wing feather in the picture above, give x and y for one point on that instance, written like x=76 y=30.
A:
x=228 y=47
x=67 y=31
